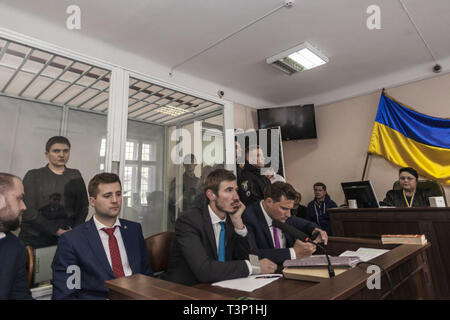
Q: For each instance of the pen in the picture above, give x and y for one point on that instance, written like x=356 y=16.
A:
x=267 y=277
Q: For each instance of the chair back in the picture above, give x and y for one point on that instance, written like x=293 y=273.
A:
x=433 y=185
x=30 y=264
x=158 y=249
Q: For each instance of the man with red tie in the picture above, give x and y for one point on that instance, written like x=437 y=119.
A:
x=101 y=249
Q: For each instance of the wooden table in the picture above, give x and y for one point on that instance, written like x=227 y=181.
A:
x=406 y=264
x=434 y=223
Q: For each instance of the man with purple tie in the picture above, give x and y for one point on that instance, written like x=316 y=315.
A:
x=101 y=249
x=272 y=243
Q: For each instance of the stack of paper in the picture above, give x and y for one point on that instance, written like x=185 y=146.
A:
x=320 y=260
x=364 y=254
x=250 y=283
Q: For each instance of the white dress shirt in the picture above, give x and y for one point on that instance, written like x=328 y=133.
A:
x=281 y=236
x=2 y=235
x=216 y=227
x=105 y=238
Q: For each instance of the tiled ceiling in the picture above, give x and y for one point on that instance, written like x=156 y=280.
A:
x=34 y=74
x=30 y=73
x=146 y=100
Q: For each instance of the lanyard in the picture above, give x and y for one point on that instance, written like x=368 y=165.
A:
x=409 y=204
x=320 y=210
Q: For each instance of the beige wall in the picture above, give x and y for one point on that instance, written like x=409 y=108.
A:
x=245 y=117
x=343 y=132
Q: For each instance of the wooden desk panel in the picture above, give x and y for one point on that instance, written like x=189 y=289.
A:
x=433 y=222
x=141 y=287
x=407 y=265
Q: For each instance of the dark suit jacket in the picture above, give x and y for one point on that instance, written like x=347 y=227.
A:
x=13 y=275
x=193 y=257
x=82 y=247
x=394 y=198
x=258 y=229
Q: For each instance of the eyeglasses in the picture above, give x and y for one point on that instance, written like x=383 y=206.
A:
x=406 y=178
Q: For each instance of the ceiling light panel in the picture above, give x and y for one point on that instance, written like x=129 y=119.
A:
x=297 y=59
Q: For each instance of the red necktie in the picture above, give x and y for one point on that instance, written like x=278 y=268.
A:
x=116 y=261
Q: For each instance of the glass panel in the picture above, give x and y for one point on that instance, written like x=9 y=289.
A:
x=25 y=128
x=143 y=176
x=87 y=134
x=196 y=152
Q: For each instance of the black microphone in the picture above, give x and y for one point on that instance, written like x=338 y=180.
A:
x=293 y=231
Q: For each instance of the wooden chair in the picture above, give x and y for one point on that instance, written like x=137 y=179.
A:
x=158 y=249
x=426 y=184
x=30 y=264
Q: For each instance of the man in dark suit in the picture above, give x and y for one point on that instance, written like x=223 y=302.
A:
x=279 y=199
x=211 y=243
x=101 y=249
x=13 y=276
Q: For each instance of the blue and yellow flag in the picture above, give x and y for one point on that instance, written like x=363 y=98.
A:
x=411 y=139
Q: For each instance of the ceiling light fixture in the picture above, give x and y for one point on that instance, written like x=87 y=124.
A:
x=171 y=110
x=297 y=59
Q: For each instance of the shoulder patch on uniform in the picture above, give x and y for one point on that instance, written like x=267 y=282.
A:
x=244 y=185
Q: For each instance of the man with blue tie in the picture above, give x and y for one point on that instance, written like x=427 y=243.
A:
x=13 y=275
x=101 y=249
x=272 y=243
x=211 y=243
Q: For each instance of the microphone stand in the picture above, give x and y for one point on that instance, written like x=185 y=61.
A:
x=330 y=266
x=305 y=238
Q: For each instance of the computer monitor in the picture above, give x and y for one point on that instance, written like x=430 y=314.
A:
x=362 y=192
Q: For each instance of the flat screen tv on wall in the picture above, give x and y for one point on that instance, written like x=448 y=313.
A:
x=296 y=122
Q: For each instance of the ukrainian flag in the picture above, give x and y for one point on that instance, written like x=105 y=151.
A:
x=411 y=139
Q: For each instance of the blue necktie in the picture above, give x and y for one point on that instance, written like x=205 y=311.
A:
x=222 y=242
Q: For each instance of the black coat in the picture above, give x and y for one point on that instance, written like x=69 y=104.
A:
x=13 y=275
x=394 y=198
x=193 y=257
x=53 y=202
x=251 y=184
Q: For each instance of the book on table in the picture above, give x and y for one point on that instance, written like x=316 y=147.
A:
x=403 y=239
x=315 y=267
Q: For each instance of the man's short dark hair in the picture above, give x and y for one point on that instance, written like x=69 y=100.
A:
x=56 y=139
x=280 y=189
x=6 y=181
x=101 y=178
x=320 y=184
x=214 y=179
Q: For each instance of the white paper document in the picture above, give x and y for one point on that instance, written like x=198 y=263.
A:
x=250 y=283
x=365 y=254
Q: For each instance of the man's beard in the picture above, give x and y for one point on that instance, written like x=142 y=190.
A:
x=223 y=209
x=10 y=225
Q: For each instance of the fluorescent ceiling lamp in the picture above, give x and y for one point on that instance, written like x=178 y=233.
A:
x=297 y=59
x=171 y=110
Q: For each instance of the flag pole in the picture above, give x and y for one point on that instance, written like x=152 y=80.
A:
x=365 y=166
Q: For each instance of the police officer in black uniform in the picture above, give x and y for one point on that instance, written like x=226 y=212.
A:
x=250 y=180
